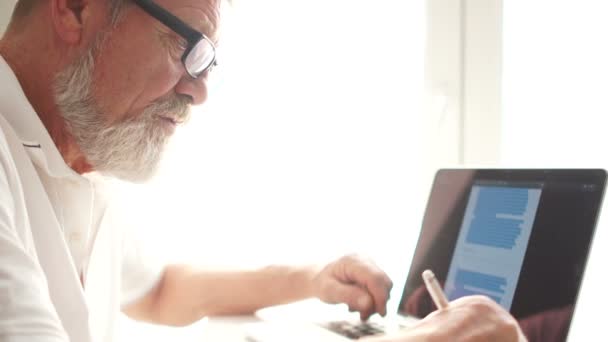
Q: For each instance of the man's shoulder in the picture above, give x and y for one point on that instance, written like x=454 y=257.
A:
x=9 y=178
x=11 y=151
x=5 y=129
x=8 y=139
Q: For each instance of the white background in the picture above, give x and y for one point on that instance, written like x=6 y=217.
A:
x=309 y=145
x=316 y=141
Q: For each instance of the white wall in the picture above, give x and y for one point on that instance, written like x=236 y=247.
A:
x=6 y=8
x=555 y=84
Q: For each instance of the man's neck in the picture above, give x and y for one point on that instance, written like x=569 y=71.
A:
x=37 y=85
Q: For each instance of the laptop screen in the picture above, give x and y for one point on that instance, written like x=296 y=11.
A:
x=520 y=237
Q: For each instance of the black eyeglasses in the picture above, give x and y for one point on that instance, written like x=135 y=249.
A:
x=200 y=53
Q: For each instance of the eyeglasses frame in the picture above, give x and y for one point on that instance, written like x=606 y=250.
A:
x=178 y=26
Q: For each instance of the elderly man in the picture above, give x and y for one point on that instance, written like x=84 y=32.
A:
x=97 y=87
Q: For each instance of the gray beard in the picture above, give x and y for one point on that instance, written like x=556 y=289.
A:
x=130 y=149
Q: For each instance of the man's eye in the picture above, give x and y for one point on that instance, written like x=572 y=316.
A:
x=177 y=47
x=182 y=44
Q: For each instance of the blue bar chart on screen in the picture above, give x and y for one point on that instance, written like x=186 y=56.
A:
x=499 y=217
x=470 y=283
x=495 y=230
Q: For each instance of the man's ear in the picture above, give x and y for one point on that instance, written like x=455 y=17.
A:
x=68 y=18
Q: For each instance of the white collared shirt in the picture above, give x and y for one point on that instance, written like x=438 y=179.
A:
x=55 y=228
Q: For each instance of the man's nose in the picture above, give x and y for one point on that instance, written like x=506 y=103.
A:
x=195 y=88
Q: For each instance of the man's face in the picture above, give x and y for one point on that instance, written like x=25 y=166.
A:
x=123 y=98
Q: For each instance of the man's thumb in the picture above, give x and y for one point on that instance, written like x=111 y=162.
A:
x=354 y=296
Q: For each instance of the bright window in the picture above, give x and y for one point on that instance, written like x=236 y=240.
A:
x=555 y=72
x=310 y=144
x=310 y=139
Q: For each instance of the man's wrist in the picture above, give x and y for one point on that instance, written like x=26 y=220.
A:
x=301 y=281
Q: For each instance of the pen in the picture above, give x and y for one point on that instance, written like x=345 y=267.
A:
x=432 y=285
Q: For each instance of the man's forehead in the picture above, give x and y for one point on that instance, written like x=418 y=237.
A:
x=202 y=15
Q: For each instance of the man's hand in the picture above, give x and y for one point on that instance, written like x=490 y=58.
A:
x=468 y=319
x=185 y=293
x=355 y=281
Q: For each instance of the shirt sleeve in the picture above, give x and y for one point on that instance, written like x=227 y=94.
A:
x=141 y=269
x=26 y=310
x=142 y=264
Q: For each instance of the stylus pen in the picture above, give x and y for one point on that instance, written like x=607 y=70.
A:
x=432 y=285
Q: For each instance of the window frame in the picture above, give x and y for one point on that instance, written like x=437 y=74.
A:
x=464 y=81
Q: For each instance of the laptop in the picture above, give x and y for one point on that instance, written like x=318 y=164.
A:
x=518 y=236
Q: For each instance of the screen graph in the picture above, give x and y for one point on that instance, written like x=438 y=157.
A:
x=498 y=217
x=470 y=283
x=492 y=241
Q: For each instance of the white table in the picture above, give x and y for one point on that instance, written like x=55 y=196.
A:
x=220 y=329
x=225 y=329
x=230 y=328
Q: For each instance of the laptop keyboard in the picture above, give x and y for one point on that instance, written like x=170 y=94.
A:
x=355 y=330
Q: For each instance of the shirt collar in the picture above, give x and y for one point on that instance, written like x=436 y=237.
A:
x=17 y=110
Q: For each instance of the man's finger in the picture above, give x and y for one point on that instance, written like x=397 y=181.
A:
x=375 y=281
x=357 y=298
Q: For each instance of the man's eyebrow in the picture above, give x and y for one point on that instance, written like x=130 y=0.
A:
x=206 y=28
x=203 y=25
